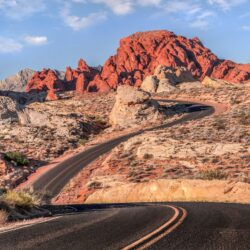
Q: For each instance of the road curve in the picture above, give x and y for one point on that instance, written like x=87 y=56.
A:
x=208 y=226
x=55 y=179
x=109 y=228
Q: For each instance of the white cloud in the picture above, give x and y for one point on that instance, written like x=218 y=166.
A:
x=246 y=27
x=78 y=23
x=181 y=6
x=17 y=9
x=245 y=15
x=149 y=2
x=192 y=12
x=36 y=40
x=202 y=21
x=226 y=4
x=79 y=1
x=8 y=45
x=118 y=7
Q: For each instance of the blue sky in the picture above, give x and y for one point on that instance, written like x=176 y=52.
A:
x=55 y=33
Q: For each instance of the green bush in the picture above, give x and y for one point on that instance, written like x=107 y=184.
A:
x=17 y=157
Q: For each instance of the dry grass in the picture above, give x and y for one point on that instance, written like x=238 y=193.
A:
x=212 y=175
x=20 y=198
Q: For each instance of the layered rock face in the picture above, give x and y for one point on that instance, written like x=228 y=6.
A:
x=137 y=57
x=133 y=107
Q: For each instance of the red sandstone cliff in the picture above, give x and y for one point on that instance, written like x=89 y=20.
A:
x=137 y=57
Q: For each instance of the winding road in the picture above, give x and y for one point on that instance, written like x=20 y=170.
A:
x=132 y=226
x=54 y=180
x=207 y=226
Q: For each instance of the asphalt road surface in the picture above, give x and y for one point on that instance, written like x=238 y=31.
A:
x=207 y=226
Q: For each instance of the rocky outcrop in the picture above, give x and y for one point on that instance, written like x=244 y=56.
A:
x=52 y=81
x=174 y=190
x=214 y=83
x=79 y=78
x=133 y=107
x=140 y=53
x=46 y=80
x=166 y=79
x=17 y=82
x=150 y=84
x=8 y=110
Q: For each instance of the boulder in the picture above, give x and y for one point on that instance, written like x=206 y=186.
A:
x=190 y=85
x=174 y=75
x=150 y=84
x=214 y=83
x=133 y=107
x=165 y=86
x=8 y=110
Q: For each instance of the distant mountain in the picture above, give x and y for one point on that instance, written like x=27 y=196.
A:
x=17 y=82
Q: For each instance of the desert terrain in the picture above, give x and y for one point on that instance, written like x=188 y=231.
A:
x=63 y=113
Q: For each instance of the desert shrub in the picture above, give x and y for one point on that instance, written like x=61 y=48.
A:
x=83 y=141
x=20 y=198
x=219 y=124
x=17 y=157
x=244 y=118
x=101 y=122
x=212 y=175
x=148 y=156
x=95 y=185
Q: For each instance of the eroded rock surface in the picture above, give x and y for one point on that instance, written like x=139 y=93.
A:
x=8 y=110
x=133 y=107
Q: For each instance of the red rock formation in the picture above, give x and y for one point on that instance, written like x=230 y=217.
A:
x=98 y=85
x=51 y=96
x=136 y=58
x=45 y=80
x=139 y=54
x=77 y=79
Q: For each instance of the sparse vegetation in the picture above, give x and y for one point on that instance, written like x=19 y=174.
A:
x=83 y=141
x=244 y=118
x=95 y=185
x=219 y=124
x=212 y=175
x=17 y=157
x=148 y=156
x=20 y=198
